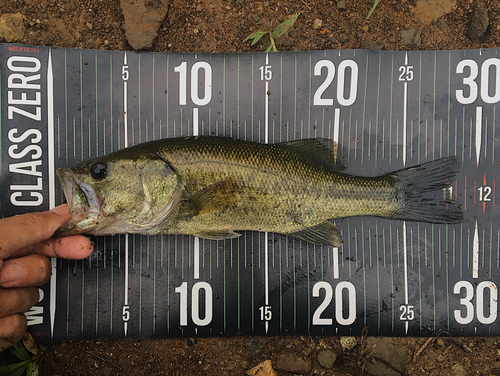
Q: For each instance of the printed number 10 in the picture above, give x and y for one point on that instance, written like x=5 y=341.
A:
x=195 y=72
x=195 y=303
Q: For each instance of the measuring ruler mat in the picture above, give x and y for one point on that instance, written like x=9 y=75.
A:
x=387 y=111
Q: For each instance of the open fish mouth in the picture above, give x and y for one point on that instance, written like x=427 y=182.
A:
x=83 y=202
x=80 y=196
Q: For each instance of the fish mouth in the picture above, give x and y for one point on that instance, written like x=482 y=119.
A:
x=83 y=202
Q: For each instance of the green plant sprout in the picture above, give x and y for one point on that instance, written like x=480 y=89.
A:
x=373 y=8
x=27 y=363
x=281 y=29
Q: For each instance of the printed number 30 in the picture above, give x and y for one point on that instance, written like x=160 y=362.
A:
x=466 y=301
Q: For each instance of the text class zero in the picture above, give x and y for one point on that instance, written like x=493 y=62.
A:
x=24 y=99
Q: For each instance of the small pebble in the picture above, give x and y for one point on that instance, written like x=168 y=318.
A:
x=293 y=364
x=326 y=358
x=317 y=23
x=479 y=24
x=407 y=36
x=458 y=370
x=348 y=342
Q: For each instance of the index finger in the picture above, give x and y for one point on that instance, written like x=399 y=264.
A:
x=23 y=231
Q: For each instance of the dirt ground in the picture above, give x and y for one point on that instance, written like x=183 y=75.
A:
x=221 y=26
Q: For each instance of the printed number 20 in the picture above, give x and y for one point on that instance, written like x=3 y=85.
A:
x=339 y=306
x=330 y=75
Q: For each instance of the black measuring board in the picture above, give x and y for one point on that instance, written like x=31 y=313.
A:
x=387 y=110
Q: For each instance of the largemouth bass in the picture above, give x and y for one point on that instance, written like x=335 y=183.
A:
x=212 y=187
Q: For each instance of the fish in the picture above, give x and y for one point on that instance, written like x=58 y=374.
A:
x=215 y=187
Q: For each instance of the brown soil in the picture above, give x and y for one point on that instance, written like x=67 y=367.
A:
x=221 y=26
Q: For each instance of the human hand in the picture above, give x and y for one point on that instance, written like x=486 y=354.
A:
x=25 y=248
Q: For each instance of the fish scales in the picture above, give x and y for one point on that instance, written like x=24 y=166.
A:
x=278 y=190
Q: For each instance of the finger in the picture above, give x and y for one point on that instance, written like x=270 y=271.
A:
x=20 y=232
x=17 y=300
x=71 y=247
x=12 y=329
x=32 y=270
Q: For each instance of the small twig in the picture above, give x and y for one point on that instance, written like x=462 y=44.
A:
x=447 y=349
x=422 y=348
x=99 y=357
x=461 y=345
x=362 y=346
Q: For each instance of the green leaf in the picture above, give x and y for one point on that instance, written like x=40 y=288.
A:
x=373 y=8
x=32 y=369
x=18 y=372
x=255 y=36
x=20 y=352
x=14 y=369
x=283 y=27
x=273 y=45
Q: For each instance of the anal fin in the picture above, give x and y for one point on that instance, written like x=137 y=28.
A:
x=324 y=234
x=217 y=235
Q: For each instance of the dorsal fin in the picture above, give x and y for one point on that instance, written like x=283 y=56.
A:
x=322 y=151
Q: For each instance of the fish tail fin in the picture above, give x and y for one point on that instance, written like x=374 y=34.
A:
x=420 y=192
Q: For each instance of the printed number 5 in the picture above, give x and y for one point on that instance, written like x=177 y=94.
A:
x=126 y=313
x=125 y=73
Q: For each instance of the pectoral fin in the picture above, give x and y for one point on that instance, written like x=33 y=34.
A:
x=217 y=235
x=216 y=197
x=324 y=234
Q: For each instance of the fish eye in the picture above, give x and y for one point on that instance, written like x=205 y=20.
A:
x=98 y=171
